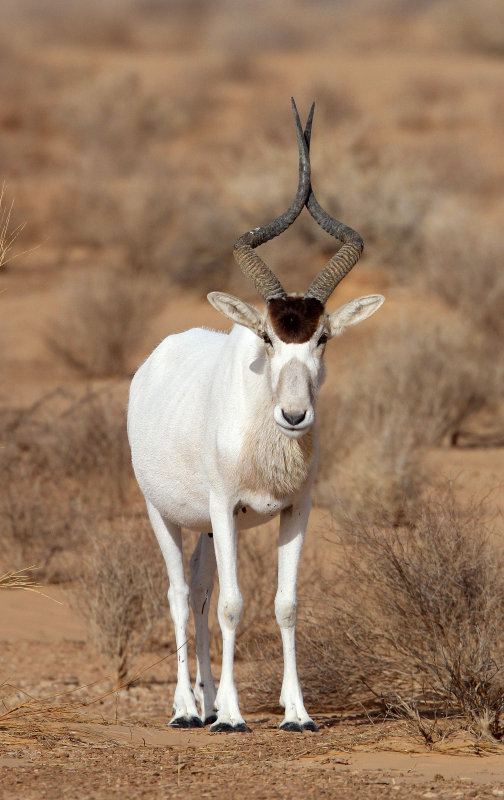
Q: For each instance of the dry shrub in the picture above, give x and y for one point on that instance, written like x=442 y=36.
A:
x=150 y=235
x=144 y=222
x=130 y=221
x=417 y=391
x=335 y=104
x=466 y=271
x=28 y=86
x=388 y=200
x=98 y=24
x=90 y=444
x=429 y=630
x=39 y=524
x=412 y=619
x=122 y=591
x=202 y=254
x=394 y=199
x=65 y=466
x=433 y=104
x=122 y=594
x=474 y=29
x=114 y=119
x=103 y=321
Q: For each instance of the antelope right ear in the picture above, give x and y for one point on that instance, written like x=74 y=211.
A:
x=237 y=310
x=353 y=312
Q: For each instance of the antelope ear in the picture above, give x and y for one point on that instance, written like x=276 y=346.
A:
x=353 y=312
x=237 y=310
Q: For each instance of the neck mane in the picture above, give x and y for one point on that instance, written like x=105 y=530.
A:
x=272 y=462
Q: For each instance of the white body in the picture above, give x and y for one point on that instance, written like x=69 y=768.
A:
x=211 y=453
x=192 y=404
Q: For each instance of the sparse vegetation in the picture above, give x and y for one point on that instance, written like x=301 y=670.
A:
x=102 y=323
x=417 y=391
x=65 y=466
x=468 y=277
x=410 y=623
x=8 y=232
x=121 y=592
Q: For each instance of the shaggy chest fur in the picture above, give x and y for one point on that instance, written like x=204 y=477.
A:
x=272 y=462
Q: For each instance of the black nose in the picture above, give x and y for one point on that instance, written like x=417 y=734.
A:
x=293 y=420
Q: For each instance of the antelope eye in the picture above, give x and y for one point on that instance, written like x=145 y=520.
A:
x=322 y=340
x=267 y=340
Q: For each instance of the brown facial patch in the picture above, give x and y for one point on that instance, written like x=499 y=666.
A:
x=295 y=319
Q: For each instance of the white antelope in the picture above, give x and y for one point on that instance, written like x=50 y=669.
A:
x=223 y=437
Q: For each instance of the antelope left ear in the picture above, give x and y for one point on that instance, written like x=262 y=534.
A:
x=353 y=312
x=237 y=310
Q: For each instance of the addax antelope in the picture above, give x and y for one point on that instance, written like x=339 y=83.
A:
x=223 y=436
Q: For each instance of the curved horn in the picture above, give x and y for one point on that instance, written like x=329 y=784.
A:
x=340 y=264
x=266 y=283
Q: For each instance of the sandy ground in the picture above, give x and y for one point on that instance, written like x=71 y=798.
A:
x=95 y=744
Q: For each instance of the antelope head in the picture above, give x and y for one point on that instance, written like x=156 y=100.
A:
x=296 y=328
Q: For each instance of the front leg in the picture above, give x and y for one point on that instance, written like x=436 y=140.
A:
x=229 y=611
x=293 y=523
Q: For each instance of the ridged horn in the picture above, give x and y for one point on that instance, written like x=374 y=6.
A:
x=266 y=283
x=340 y=264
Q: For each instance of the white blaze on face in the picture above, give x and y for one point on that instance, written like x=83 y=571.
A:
x=296 y=376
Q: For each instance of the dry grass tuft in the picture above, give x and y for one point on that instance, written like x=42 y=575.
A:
x=18 y=579
x=8 y=233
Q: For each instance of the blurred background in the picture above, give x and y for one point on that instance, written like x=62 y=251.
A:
x=139 y=139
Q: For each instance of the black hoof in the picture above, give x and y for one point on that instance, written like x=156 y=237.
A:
x=294 y=727
x=241 y=728
x=211 y=719
x=186 y=722
x=226 y=727
x=310 y=726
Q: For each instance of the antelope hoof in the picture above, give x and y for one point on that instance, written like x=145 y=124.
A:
x=297 y=727
x=294 y=727
x=186 y=722
x=227 y=727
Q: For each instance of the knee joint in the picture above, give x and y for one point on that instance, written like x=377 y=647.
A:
x=230 y=609
x=286 y=612
x=178 y=597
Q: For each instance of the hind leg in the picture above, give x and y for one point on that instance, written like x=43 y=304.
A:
x=169 y=536
x=203 y=568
